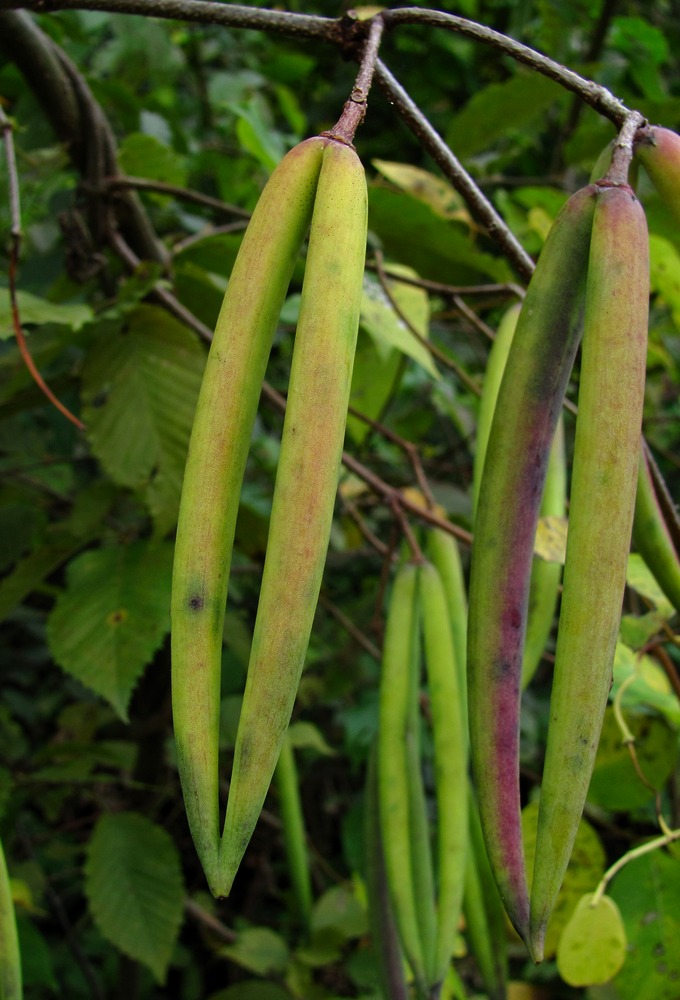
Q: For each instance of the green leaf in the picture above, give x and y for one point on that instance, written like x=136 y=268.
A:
x=141 y=155
x=586 y=867
x=256 y=134
x=134 y=886
x=112 y=617
x=34 y=311
x=307 y=736
x=664 y=264
x=615 y=784
x=436 y=192
x=30 y=572
x=647 y=891
x=651 y=686
x=259 y=950
x=414 y=234
x=641 y=579
x=375 y=378
x=499 y=110
x=388 y=330
x=253 y=989
x=592 y=948
x=139 y=395
x=340 y=910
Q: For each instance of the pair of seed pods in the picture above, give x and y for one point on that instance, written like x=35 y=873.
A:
x=321 y=184
x=590 y=288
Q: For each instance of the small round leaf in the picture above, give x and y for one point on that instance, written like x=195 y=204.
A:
x=592 y=947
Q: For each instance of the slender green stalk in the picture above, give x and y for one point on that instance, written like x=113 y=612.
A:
x=286 y=778
x=11 y=987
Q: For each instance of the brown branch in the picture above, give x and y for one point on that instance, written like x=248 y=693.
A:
x=479 y=205
x=14 y=251
x=354 y=110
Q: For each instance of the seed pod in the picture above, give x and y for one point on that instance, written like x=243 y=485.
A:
x=529 y=404
x=545 y=576
x=401 y=636
x=225 y=414
x=305 y=489
x=651 y=535
x=450 y=763
x=603 y=484
x=658 y=149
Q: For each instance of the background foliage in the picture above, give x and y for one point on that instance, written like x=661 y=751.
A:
x=111 y=900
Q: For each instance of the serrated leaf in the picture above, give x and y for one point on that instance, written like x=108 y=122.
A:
x=139 y=395
x=615 y=783
x=647 y=891
x=134 y=886
x=388 y=329
x=112 y=617
x=586 y=867
x=34 y=311
x=592 y=948
x=259 y=950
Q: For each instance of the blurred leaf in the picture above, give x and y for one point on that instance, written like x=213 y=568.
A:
x=651 y=686
x=307 y=736
x=586 y=867
x=259 y=950
x=647 y=892
x=34 y=311
x=256 y=135
x=253 y=989
x=340 y=910
x=664 y=263
x=592 y=947
x=436 y=192
x=551 y=539
x=133 y=882
x=141 y=155
x=500 y=109
x=30 y=572
x=388 y=330
x=641 y=579
x=413 y=234
x=139 y=391
x=615 y=784
x=112 y=617
x=375 y=378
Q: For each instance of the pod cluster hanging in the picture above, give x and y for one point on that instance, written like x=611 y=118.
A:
x=590 y=289
x=320 y=183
